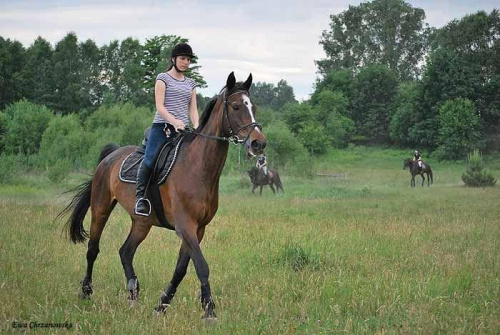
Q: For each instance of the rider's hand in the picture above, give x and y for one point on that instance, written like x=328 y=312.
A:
x=178 y=125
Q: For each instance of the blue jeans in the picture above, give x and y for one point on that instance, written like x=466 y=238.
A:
x=157 y=138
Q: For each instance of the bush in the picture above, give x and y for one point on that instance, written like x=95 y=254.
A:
x=25 y=127
x=458 y=129
x=64 y=139
x=284 y=151
x=58 y=172
x=475 y=174
x=8 y=167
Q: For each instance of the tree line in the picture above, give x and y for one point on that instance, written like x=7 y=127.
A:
x=387 y=79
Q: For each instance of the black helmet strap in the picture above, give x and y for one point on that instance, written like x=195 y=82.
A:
x=175 y=65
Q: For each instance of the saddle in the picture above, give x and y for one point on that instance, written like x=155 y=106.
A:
x=164 y=162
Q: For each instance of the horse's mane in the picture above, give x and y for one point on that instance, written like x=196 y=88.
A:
x=206 y=112
x=211 y=104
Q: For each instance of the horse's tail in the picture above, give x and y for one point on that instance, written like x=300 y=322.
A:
x=81 y=203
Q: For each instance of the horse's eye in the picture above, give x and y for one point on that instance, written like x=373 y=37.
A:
x=235 y=106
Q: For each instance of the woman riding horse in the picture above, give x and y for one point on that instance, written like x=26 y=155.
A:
x=190 y=195
x=175 y=98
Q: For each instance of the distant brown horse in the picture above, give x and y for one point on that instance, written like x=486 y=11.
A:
x=258 y=178
x=417 y=170
x=190 y=195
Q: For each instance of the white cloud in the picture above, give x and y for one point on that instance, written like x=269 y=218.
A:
x=272 y=39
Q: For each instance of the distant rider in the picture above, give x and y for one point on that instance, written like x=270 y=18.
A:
x=418 y=158
x=262 y=163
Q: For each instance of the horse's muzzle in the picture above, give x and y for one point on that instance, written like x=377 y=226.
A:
x=257 y=146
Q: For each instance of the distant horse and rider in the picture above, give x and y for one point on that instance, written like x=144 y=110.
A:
x=259 y=178
x=418 y=167
x=189 y=197
x=260 y=175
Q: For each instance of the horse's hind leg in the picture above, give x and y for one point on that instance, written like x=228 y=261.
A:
x=272 y=188
x=179 y=273
x=423 y=179
x=100 y=215
x=138 y=233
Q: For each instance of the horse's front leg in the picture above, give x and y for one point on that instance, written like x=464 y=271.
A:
x=261 y=186
x=192 y=236
x=179 y=273
x=412 y=181
x=254 y=187
x=423 y=179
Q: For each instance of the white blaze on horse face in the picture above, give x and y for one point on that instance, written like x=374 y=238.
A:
x=248 y=103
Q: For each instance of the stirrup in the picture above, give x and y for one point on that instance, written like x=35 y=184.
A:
x=137 y=203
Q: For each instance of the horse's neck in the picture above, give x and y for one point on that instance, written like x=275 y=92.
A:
x=210 y=153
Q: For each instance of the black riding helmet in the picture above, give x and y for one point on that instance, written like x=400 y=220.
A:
x=182 y=49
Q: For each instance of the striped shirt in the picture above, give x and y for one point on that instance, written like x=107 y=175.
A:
x=177 y=97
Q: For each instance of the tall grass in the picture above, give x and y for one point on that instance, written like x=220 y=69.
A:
x=364 y=253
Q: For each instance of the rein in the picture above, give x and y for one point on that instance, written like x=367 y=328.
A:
x=233 y=135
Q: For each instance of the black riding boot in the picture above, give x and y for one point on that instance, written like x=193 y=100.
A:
x=142 y=204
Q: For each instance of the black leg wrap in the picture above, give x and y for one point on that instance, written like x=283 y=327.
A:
x=206 y=296
x=133 y=288
x=87 y=289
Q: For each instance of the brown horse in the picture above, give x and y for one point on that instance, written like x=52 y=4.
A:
x=190 y=196
x=417 y=170
x=258 y=178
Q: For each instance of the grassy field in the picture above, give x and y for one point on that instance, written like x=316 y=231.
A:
x=360 y=254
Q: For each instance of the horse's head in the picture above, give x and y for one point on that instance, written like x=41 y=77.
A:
x=406 y=163
x=239 y=116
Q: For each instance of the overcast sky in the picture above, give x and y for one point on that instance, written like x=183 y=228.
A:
x=271 y=39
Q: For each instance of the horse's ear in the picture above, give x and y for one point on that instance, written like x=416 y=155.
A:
x=231 y=81
x=247 y=84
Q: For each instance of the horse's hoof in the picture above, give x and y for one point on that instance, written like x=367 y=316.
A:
x=84 y=296
x=86 y=291
x=161 y=309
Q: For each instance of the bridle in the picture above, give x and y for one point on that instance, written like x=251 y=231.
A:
x=233 y=135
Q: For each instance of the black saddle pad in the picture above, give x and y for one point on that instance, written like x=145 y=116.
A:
x=164 y=162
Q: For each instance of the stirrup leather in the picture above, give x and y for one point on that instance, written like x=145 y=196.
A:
x=137 y=203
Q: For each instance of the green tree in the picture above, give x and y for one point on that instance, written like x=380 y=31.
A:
x=91 y=88
x=38 y=73
x=446 y=77
x=4 y=123
x=404 y=116
x=270 y=96
x=12 y=58
x=157 y=52
x=389 y=32
x=123 y=73
x=67 y=80
x=459 y=129
x=297 y=115
x=372 y=102
x=335 y=81
x=475 y=40
x=333 y=108
x=26 y=125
